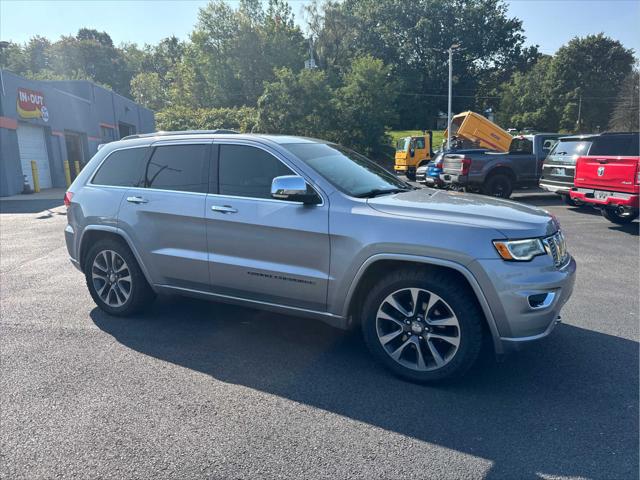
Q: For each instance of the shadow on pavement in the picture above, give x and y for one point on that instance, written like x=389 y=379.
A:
x=565 y=406
x=29 y=206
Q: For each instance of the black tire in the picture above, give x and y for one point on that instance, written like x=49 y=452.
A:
x=498 y=185
x=411 y=175
x=459 y=299
x=613 y=215
x=140 y=293
x=570 y=201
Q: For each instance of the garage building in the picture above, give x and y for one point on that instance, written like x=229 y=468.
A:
x=52 y=121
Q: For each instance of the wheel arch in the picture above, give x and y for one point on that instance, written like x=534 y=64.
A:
x=502 y=170
x=385 y=263
x=94 y=233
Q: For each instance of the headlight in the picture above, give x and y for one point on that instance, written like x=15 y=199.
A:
x=520 y=250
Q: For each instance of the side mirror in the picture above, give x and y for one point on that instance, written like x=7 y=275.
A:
x=294 y=189
x=412 y=152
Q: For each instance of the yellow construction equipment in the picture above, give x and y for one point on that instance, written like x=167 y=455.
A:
x=67 y=173
x=36 y=176
x=411 y=152
x=473 y=130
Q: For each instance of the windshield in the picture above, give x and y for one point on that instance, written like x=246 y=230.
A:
x=348 y=171
x=573 y=148
x=403 y=144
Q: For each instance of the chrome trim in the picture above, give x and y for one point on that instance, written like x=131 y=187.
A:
x=253 y=302
x=546 y=303
x=556 y=247
x=267 y=199
x=183 y=141
x=143 y=189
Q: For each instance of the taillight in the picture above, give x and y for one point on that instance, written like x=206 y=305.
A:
x=465 y=165
x=438 y=164
x=67 y=198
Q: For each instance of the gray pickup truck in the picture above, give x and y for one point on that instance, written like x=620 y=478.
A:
x=497 y=173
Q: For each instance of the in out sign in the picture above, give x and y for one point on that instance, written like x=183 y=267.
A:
x=31 y=104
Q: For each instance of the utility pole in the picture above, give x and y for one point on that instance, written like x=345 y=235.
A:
x=451 y=49
x=579 y=113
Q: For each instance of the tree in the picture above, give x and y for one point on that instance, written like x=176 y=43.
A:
x=365 y=105
x=526 y=101
x=590 y=68
x=297 y=104
x=626 y=111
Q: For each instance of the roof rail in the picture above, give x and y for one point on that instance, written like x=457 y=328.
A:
x=183 y=132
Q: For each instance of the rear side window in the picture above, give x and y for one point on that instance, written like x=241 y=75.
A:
x=521 y=146
x=122 y=168
x=571 y=148
x=613 y=145
x=184 y=168
x=248 y=171
x=548 y=144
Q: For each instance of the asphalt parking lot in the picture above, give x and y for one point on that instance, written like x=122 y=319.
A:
x=194 y=389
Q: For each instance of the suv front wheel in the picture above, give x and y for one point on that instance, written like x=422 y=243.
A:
x=423 y=327
x=115 y=280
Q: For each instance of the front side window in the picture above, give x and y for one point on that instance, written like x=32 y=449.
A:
x=248 y=171
x=348 y=171
x=122 y=168
x=182 y=168
x=420 y=143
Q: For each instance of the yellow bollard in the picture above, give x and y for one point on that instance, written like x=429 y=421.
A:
x=77 y=165
x=67 y=173
x=36 y=177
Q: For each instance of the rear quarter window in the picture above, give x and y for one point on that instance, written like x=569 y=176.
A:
x=615 y=145
x=122 y=168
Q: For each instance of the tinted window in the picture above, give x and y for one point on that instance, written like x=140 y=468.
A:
x=178 y=167
x=349 y=171
x=612 y=145
x=575 y=148
x=248 y=171
x=548 y=144
x=122 y=168
x=521 y=145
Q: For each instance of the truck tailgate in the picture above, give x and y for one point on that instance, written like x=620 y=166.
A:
x=617 y=174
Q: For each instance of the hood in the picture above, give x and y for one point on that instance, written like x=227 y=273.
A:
x=512 y=219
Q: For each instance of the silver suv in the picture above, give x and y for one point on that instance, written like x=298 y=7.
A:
x=313 y=229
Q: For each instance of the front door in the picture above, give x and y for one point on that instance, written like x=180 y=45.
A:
x=261 y=248
x=164 y=215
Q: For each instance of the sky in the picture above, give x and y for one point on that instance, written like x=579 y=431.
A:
x=547 y=23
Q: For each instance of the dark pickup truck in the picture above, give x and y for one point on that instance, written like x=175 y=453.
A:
x=497 y=173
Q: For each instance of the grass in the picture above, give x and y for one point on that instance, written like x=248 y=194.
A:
x=396 y=134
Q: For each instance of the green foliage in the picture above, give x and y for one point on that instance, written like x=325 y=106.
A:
x=626 y=111
x=547 y=97
x=242 y=119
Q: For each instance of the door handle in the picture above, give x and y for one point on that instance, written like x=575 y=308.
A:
x=224 y=209
x=137 y=200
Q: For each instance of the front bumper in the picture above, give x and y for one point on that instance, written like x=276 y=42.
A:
x=509 y=288
x=617 y=199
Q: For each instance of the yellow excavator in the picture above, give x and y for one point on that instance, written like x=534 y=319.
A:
x=469 y=130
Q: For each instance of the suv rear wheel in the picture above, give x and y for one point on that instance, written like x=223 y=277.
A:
x=115 y=280
x=421 y=326
x=614 y=215
x=498 y=185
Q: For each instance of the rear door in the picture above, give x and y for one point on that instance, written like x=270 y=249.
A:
x=164 y=215
x=611 y=165
x=260 y=248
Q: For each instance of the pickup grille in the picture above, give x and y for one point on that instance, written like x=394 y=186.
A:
x=556 y=246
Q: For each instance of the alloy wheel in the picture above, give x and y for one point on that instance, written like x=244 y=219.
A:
x=111 y=278
x=418 y=329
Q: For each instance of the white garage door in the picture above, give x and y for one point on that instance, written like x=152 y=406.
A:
x=33 y=147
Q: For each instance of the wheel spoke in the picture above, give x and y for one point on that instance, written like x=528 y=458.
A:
x=415 y=292
x=391 y=300
x=386 y=316
x=444 y=322
x=421 y=364
x=384 y=339
x=433 y=299
x=106 y=268
x=455 y=341
x=435 y=354
x=398 y=351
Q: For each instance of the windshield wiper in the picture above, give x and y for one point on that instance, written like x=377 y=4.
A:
x=381 y=191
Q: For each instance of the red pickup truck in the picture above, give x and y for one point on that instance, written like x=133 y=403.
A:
x=609 y=177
